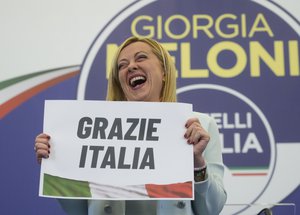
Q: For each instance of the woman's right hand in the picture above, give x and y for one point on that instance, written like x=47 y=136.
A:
x=42 y=147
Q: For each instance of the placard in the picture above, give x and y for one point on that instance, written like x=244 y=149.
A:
x=117 y=150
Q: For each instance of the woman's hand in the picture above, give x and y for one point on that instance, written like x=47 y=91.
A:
x=199 y=138
x=42 y=146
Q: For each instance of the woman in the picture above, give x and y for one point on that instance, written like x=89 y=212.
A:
x=143 y=70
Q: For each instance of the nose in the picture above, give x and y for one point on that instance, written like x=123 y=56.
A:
x=132 y=67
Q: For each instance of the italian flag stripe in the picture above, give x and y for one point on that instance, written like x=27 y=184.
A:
x=62 y=187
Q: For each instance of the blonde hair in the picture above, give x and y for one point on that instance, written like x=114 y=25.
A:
x=168 y=94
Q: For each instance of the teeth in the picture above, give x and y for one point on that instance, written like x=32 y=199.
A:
x=137 y=78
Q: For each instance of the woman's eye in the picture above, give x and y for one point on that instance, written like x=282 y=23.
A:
x=120 y=66
x=141 y=57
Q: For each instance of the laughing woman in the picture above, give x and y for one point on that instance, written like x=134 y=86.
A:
x=143 y=70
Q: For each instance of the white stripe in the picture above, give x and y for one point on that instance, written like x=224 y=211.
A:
x=250 y=171
x=14 y=90
x=109 y=191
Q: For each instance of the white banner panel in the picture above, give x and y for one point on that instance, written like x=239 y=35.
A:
x=121 y=145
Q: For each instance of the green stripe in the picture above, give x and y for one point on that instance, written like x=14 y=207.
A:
x=57 y=186
x=249 y=168
x=13 y=81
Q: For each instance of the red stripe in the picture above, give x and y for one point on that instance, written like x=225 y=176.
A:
x=178 y=190
x=14 y=102
x=249 y=174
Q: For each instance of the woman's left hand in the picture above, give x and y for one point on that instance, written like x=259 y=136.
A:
x=199 y=138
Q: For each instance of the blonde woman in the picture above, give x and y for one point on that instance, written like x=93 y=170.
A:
x=142 y=70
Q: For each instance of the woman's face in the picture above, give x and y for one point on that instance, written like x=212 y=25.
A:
x=140 y=73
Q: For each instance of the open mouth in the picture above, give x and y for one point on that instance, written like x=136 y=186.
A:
x=136 y=81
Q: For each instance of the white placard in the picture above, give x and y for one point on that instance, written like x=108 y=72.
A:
x=106 y=147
